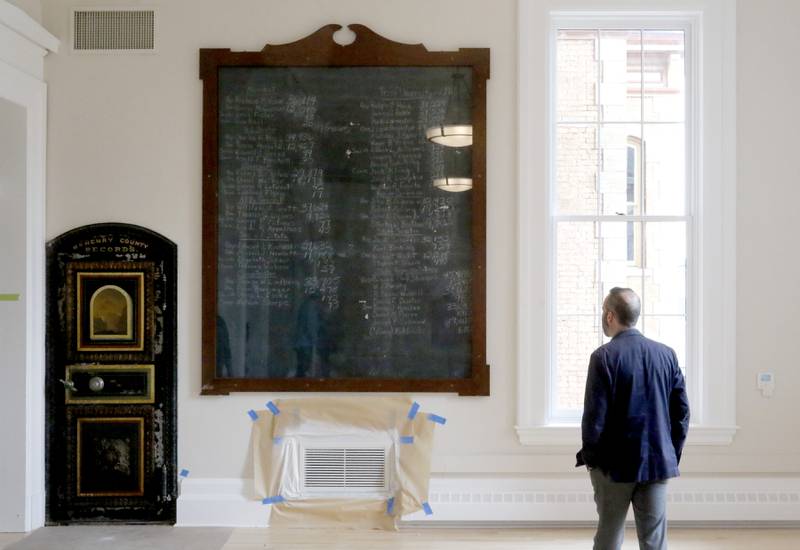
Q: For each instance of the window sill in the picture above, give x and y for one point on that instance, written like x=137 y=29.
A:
x=569 y=435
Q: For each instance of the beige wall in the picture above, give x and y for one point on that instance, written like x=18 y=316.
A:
x=31 y=7
x=768 y=271
x=125 y=145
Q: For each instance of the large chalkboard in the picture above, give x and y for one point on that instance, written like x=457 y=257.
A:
x=336 y=264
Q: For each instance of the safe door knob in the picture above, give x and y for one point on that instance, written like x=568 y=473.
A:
x=96 y=383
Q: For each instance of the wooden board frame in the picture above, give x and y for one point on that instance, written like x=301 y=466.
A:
x=321 y=50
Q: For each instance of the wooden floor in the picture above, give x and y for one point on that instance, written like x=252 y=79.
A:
x=8 y=538
x=155 y=538
x=505 y=539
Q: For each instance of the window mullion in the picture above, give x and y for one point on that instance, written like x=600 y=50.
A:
x=643 y=180
x=618 y=218
x=599 y=276
x=599 y=171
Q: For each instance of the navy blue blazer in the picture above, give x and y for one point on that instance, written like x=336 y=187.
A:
x=636 y=411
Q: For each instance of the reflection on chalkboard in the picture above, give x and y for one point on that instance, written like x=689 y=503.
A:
x=337 y=257
x=455 y=130
x=311 y=335
x=223 y=348
x=457 y=175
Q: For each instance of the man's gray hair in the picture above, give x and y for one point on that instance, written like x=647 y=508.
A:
x=625 y=304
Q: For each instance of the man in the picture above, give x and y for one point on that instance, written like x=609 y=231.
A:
x=635 y=420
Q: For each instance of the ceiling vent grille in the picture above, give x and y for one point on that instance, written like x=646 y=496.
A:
x=113 y=30
x=344 y=469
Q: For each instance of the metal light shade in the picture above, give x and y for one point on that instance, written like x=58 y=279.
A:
x=454 y=185
x=452 y=135
x=456 y=128
x=455 y=173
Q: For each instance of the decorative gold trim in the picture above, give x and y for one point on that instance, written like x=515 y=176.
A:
x=150 y=398
x=119 y=420
x=138 y=345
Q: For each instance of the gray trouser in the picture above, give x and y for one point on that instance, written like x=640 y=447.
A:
x=649 y=510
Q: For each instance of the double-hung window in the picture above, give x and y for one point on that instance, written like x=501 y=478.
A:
x=619 y=194
x=636 y=194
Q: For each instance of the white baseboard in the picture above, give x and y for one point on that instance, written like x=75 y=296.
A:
x=220 y=503
x=35 y=506
x=564 y=500
x=525 y=500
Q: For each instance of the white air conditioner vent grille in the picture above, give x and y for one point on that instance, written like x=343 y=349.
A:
x=113 y=30
x=345 y=468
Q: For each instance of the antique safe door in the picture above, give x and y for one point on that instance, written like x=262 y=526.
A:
x=111 y=363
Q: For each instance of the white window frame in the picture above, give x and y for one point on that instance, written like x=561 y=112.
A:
x=710 y=27
x=626 y=22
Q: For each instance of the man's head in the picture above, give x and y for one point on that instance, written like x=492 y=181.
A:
x=621 y=310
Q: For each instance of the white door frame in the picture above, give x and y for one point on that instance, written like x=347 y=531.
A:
x=24 y=45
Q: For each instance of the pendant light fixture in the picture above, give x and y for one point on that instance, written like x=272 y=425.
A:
x=456 y=128
x=457 y=170
x=455 y=135
x=454 y=185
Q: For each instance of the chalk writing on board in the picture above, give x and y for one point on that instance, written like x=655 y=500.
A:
x=336 y=255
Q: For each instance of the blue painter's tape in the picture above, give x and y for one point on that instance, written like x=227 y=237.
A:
x=277 y=440
x=272 y=408
x=436 y=418
x=390 y=506
x=407 y=439
x=184 y=473
x=413 y=411
x=253 y=414
x=427 y=508
x=273 y=500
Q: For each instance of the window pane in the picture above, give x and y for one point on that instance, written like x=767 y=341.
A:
x=616 y=269
x=576 y=76
x=576 y=169
x=669 y=330
x=577 y=289
x=665 y=169
x=665 y=271
x=621 y=72
x=576 y=339
x=664 y=77
x=620 y=241
x=620 y=169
